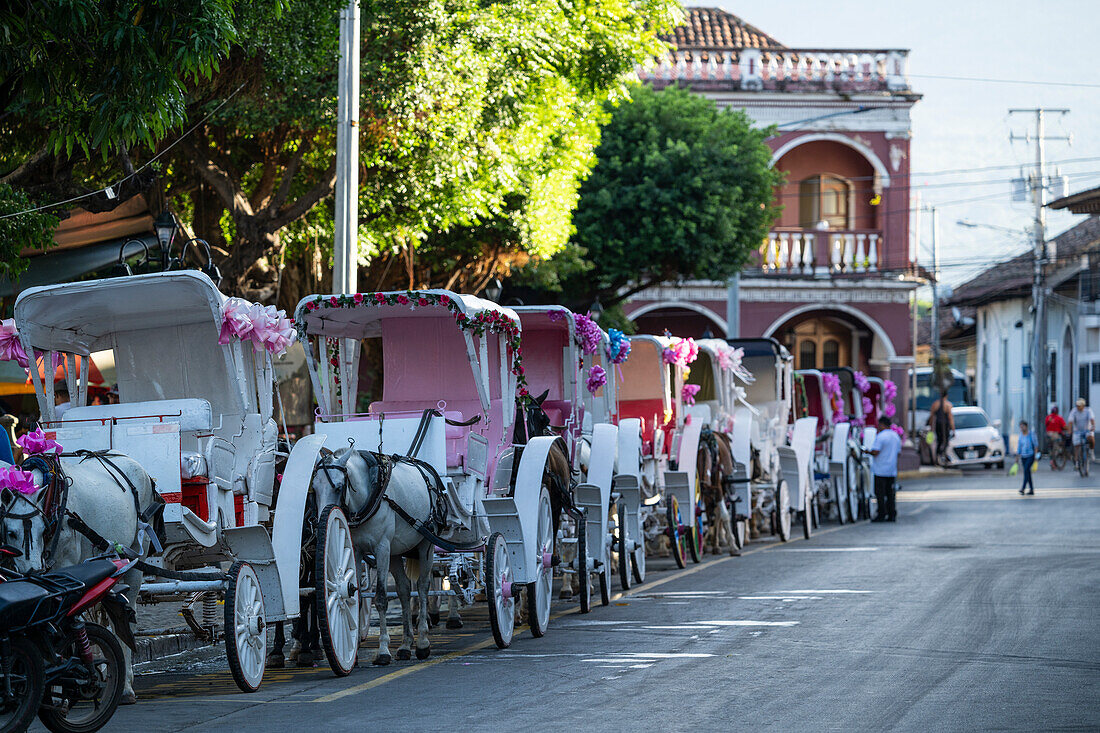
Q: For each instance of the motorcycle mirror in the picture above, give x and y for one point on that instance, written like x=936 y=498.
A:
x=9 y=551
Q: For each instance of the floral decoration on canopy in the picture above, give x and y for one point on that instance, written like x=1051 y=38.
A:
x=862 y=382
x=687 y=394
x=831 y=386
x=487 y=321
x=16 y=480
x=899 y=430
x=682 y=352
x=868 y=406
x=38 y=443
x=889 y=394
x=11 y=349
x=265 y=326
x=618 y=348
x=588 y=333
x=597 y=377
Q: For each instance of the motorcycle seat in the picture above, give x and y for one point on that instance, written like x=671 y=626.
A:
x=88 y=573
x=18 y=600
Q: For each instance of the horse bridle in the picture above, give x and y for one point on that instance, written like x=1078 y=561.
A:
x=7 y=513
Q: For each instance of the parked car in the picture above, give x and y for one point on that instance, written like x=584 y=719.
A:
x=977 y=441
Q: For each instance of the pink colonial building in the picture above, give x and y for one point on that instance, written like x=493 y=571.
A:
x=833 y=280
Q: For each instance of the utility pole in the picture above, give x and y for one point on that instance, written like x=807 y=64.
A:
x=935 y=286
x=733 y=307
x=1039 y=359
x=345 y=253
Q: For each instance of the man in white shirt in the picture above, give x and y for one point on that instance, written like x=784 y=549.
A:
x=1082 y=422
x=61 y=399
x=884 y=466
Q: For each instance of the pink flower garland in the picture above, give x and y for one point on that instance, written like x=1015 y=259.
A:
x=862 y=382
x=38 y=443
x=13 y=479
x=889 y=393
x=588 y=333
x=687 y=394
x=681 y=353
x=597 y=378
x=830 y=383
x=899 y=430
x=11 y=349
x=868 y=406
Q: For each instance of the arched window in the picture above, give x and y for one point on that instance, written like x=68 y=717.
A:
x=807 y=355
x=830 y=354
x=823 y=198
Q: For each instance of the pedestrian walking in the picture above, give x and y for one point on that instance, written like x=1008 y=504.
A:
x=884 y=466
x=1025 y=454
x=941 y=418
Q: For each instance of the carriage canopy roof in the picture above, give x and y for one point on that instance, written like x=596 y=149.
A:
x=82 y=317
x=360 y=315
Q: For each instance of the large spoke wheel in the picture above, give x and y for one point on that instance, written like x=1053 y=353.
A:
x=783 y=510
x=841 y=483
x=737 y=526
x=623 y=546
x=809 y=508
x=853 y=469
x=499 y=590
x=675 y=536
x=538 y=590
x=695 y=539
x=584 y=578
x=245 y=627
x=337 y=591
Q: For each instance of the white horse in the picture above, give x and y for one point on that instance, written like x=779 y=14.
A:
x=103 y=502
x=345 y=478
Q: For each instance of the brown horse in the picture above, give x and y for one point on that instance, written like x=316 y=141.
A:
x=713 y=463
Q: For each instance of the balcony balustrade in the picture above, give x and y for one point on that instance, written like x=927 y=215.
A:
x=822 y=252
x=754 y=69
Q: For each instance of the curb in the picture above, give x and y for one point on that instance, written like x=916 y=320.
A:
x=151 y=648
x=937 y=473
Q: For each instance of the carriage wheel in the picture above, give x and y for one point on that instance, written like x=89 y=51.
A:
x=853 y=468
x=337 y=595
x=808 y=512
x=679 y=544
x=842 y=501
x=584 y=578
x=783 y=511
x=499 y=589
x=695 y=539
x=623 y=545
x=637 y=558
x=366 y=582
x=605 y=589
x=538 y=591
x=245 y=627
x=738 y=527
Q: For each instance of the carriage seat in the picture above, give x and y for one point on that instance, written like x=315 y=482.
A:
x=192 y=414
x=456 y=435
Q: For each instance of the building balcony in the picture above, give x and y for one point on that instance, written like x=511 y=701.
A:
x=784 y=70
x=822 y=252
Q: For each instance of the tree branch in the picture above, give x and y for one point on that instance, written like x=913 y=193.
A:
x=28 y=167
x=223 y=184
x=307 y=201
x=288 y=174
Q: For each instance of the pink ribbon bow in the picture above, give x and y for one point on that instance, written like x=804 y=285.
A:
x=265 y=326
x=13 y=479
x=38 y=443
x=597 y=377
x=11 y=349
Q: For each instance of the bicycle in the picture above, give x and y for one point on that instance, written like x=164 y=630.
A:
x=1059 y=453
x=1081 y=459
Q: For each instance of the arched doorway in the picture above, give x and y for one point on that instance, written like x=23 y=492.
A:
x=679 y=319
x=832 y=336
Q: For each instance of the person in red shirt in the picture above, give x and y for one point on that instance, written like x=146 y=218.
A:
x=1056 y=428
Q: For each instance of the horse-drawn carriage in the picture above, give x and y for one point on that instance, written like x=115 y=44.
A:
x=566 y=362
x=196 y=390
x=652 y=392
x=451 y=403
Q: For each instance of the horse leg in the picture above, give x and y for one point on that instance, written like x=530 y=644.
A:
x=423 y=588
x=404 y=594
x=381 y=602
x=133 y=580
x=276 y=659
x=433 y=603
x=568 y=552
x=454 y=620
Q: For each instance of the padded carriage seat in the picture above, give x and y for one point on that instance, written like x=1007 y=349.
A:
x=456 y=435
x=651 y=412
x=192 y=414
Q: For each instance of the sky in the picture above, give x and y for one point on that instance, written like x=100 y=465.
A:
x=965 y=124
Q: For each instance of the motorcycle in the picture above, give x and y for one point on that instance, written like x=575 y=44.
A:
x=54 y=663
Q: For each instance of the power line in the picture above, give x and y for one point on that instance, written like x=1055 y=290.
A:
x=109 y=190
x=1083 y=85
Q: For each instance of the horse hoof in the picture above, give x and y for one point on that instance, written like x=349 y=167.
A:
x=404 y=655
x=433 y=618
x=276 y=661
x=423 y=653
x=128 y=698
x=565 y=596
x=305 y=659
x=454 y=623
x=381 y=660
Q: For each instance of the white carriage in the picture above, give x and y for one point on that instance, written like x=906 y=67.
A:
x=195 y=411
x=562 y=361
x=452 y=369
x=652 y=392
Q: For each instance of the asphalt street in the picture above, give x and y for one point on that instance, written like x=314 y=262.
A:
x=977 y=610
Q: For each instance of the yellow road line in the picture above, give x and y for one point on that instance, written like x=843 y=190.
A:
x=647 y=586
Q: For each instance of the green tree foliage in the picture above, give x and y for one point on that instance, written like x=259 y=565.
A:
x=681 y=190
x=29 y=231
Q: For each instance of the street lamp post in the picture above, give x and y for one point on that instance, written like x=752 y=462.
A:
x=345 y=248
